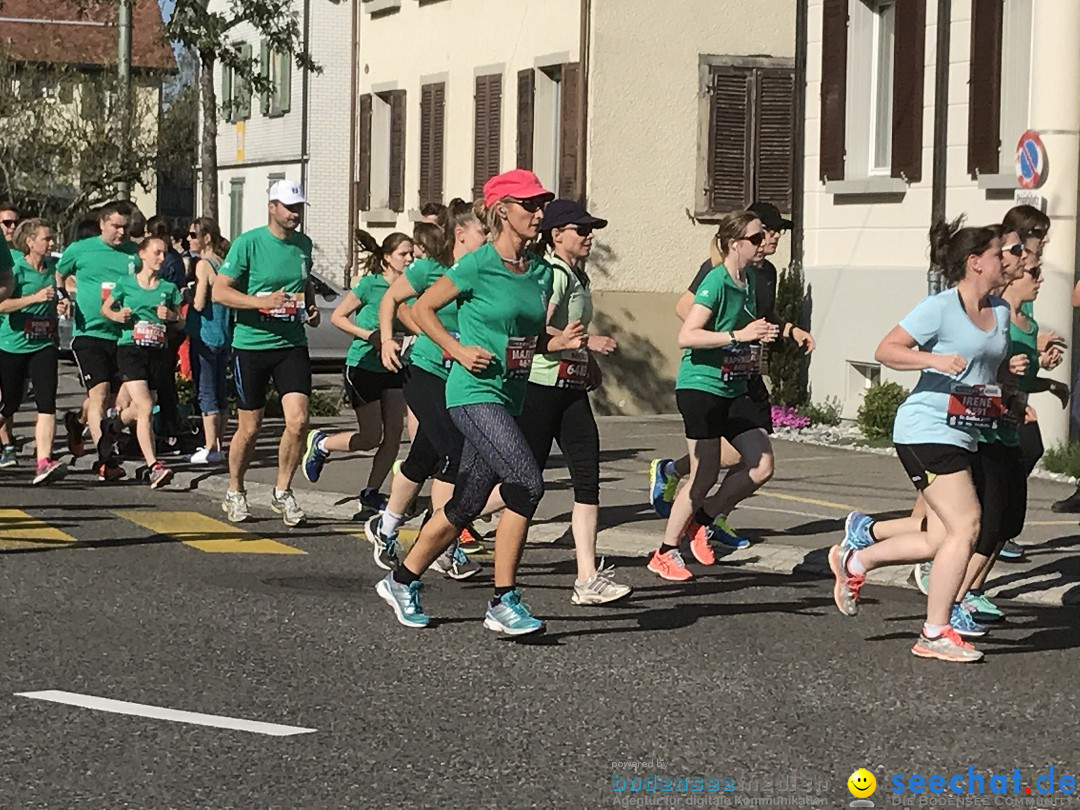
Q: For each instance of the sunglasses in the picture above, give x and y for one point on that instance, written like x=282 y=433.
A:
x=192 y=235
x=532 y=205
x=8 y=223
x=584 y=231
x=755 y=239
x=1016 y=249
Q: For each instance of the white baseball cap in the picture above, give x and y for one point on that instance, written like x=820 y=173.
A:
x=287 y=192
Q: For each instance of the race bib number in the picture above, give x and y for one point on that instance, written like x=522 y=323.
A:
x=106 y=290
x=292 y=310
x=39 y=328
x=573 y=370
x=978 y=407
x=148 y=334
x=519 y=357
x=447 y=360
x=741 y=362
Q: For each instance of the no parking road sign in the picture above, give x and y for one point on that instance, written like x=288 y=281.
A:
x=1030 y=160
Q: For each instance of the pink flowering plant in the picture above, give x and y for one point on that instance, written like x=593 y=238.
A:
x=783 y=416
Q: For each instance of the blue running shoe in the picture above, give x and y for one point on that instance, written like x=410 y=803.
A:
x=981 y=608
x=404 y=599
x=857 y=531
x=314 y=458
x=662 y=486
x=511 y=616
x=722 y=533
x=964 y=624
x=1011 y=551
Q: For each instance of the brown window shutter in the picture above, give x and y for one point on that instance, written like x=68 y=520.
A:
x=834 y=27
x=568 y=132
x=480 y=135
x=432 y=112
x=488 y=130
x=909 y=51
x=526 y=104
x=363 y=184
x=397 y=150
x=774 y=122
x=984 y=87
x=730 y=139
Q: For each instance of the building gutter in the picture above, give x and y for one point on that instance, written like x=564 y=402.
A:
x=941 y=130
x=354 y=51
x=583 y=99
x=306 y=108
x=798 y=179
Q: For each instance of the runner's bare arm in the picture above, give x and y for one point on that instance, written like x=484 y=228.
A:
x=15 y=304
x=899 y=351
x=438 y=295
x=694 y=335
x=342 y=317
x=224 y=292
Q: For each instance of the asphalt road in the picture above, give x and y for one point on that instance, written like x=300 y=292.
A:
x=740 y=675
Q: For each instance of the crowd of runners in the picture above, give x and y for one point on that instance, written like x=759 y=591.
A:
x=474 y=335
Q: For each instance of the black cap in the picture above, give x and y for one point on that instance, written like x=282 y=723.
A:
x=770 y=217
x=560 y=213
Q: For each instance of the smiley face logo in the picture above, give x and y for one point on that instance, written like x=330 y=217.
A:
x=862 y=783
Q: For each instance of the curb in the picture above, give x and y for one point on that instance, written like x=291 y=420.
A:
x=767 y=557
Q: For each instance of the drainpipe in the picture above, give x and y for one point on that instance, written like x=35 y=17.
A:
x=934 y=279
x=798 y=181
x=305 y=110
x=354 y=50
x=583 y=99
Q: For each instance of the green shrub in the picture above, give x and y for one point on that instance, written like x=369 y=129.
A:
x=325 y=403
x=878 y=410
x=822 y=413
x=788 y=364
x=1063 y=458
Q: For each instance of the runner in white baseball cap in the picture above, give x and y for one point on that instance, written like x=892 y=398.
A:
x=287 y=192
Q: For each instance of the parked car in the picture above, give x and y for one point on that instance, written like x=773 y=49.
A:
x=327 y=344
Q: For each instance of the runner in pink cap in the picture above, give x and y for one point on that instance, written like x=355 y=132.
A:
x=516 y=184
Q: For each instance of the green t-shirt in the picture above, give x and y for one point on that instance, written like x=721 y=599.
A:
x=503 y=312
x=722 y=371
x=262 y=264
x=144 y=328
x=573 y=302
x=426 y=354
x=1028 y=308
x=33 y=327
x=369 y=290
x=97 y=267
x=1026 y=343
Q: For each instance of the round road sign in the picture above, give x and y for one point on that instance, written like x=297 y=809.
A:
x=1030 y=160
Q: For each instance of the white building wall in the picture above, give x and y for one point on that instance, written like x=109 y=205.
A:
x=866 y=258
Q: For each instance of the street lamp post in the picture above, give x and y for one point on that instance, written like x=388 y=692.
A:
x=124 y=96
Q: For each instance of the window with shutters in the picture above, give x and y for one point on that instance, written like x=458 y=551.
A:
x=748 y=131
x=276 y=67
x=487 y=130
x=382 y=152
x=432 y=131
x=547 y=137
x=235 y=91
x=236 y=207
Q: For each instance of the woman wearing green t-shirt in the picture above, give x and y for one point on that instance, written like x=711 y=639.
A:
x=435 y=451
x=28 y=344
x=502 y=293
x=146 y=307
x=721 y=339
x=374 y=393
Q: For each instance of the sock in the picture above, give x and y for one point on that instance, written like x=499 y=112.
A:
x=500 y=592
x=665 y=548
x=701 y=518
x=854 y=566
x=667 y=469
x=389 y=522
x=279 y=493
x=403 y=576
x=870 y=531
x=320 y=445
x=933 y=630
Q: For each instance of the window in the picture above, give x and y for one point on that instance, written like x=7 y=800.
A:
x=382 y=151
x=748 y=126
x=277 y=68
x=432 y=130
x=236 y=207
x=235 y=92
x=872 y=67
x=547 y=120
x=487 y=132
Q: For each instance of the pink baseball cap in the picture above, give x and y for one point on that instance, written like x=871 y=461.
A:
x=518 y=183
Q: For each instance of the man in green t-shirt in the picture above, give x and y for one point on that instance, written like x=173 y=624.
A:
x=91 y=268
x=266 y=280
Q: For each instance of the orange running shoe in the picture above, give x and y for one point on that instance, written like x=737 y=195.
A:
x=699 y=544
x=669 y=566
x=469 y=542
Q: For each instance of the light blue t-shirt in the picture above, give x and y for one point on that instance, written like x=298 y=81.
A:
x=940 y=325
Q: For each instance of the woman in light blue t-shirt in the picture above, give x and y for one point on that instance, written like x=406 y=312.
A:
x=958 y=340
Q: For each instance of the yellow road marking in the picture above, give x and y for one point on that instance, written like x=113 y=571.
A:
x=205 y=533
x=19 y=530
x=812 y=501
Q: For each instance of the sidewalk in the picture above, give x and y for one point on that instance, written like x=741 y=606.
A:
x=792 y=521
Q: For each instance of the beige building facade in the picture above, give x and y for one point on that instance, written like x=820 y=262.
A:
x=869 y=189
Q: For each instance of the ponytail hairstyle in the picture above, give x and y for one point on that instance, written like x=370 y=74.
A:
x=377 y=253
x=206 y=225
x=951 y=244
x=730 y=229
x=25 y=231
x=456 y=214
x=428 y=237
